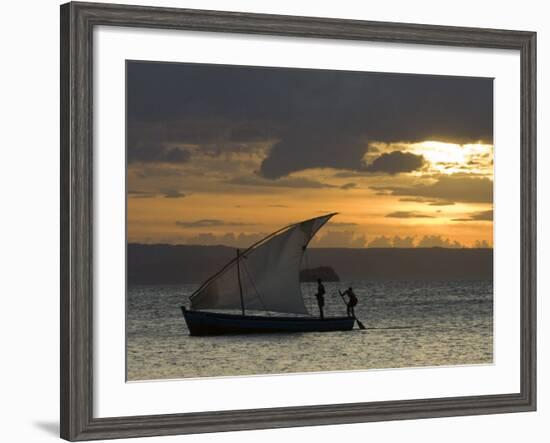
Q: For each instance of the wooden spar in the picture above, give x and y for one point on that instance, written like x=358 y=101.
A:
x=239 y=280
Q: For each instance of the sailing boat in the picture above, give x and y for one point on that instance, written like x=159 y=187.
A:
x=263 y=277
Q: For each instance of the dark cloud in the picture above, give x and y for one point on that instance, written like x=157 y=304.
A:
x=317 y=150
x=348 y=186
x=208 y=223
x=173 y=193
x=314 y=118
x=407 y=214
x=461 y=188
x=427 y=201
x=349 y=174
x=166 y=193
x=156 y=171
x=342 y=224
x=242 y=240
x=414 y=200
x=286 y=182
x=477 y=216
x=140 y=194
x=396 y=162
x=148 y=153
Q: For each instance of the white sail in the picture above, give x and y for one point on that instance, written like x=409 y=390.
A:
x=269 y=274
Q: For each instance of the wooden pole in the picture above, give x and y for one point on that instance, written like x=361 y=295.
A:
x=239 y=280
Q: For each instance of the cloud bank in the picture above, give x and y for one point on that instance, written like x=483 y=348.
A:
x=451 y=188
x=477 y=216
x=312 y=118
x=408 y=214
x=209 y=223
x=395 y=162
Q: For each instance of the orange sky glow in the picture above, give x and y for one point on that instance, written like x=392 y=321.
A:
x=221 y=199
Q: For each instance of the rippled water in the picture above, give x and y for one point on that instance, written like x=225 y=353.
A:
x=408 y=324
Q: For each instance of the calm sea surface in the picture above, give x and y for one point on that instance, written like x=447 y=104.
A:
x=408 y=324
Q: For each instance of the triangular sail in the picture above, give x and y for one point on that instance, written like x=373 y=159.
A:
x=269 y=274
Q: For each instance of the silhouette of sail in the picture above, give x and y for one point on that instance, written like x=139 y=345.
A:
x=269 y=274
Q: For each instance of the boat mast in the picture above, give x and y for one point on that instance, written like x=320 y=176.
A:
x=239 y=280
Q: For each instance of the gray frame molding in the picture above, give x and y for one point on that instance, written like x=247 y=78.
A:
x=77 y=23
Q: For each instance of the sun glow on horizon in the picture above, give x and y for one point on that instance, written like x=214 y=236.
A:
x=223 y=199
x=451 y=158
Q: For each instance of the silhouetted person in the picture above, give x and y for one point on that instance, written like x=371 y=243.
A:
x=352 y=302
x=320 y=297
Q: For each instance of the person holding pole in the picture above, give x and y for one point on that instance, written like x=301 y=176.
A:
x=320 y=297
x=352 y=302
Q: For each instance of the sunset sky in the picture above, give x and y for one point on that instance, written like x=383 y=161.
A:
x=227 y=154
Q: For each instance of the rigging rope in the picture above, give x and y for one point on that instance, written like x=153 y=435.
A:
x=310 y=293
x=254 y=286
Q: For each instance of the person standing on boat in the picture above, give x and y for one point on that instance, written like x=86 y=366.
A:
x=320 y=297
x=352 y=302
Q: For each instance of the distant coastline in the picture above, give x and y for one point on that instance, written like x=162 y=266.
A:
x=162 y=264
x=325 y=273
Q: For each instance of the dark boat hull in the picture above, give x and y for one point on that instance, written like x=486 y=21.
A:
x=213 y=323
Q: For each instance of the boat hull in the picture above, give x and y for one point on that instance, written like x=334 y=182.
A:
x=213 y=323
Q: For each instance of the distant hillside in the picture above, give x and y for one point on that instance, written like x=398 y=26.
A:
x=325 y=273
x=176 y=264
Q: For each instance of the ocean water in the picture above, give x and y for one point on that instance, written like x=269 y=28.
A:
x=409 y=324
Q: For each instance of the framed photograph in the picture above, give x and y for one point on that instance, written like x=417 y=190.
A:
x=273 y=221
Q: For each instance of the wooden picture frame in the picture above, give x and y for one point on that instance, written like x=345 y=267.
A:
x=77 y=23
